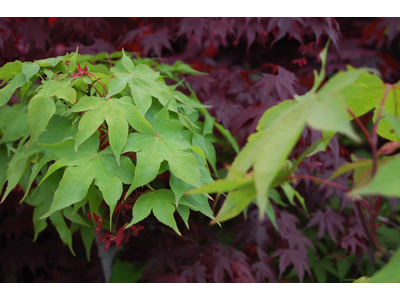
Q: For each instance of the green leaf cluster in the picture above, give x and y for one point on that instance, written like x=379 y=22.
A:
x=91 y=133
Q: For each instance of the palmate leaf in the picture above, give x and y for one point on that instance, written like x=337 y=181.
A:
x=143 y=85
x=168 y=144
x=117 y=113
x=162 y=204
x=42 y=107
x=84 y=167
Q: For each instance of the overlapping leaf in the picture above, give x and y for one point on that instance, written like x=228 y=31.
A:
x=162 y=204
x=117 y=112
x=168 y=144
x=84 y=167
x=143 y=84
x=42 y=107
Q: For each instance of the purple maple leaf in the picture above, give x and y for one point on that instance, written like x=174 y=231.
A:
x=219 y=30
x=195 y=273
x=353 y=242
x=254 y=231
x=201 y=83
x=219 y=258
x=283 y=26
x=286 y=222
x=250 y=27
x=281 y=85
x=34 y=30
x=156 y=41
x=328 y=26
x=130 y=36
x=98 y=46
x=328 y=221
x=190 y=26
x=294 y=257
x=263 y=269
x=297 y=240
x=242 y=272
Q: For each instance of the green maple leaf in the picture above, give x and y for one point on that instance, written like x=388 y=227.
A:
x=143 y=84
x=13 y=123
x=6 y=92
x=42 y=106
x=162 y=203
x=168 y=144
x=84 y=167
x=117 y=113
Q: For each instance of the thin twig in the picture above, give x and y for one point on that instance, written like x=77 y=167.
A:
x=362 y=127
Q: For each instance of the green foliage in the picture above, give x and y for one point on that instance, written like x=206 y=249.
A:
x=90 y=133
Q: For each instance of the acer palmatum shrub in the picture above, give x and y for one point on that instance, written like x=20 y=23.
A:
x=250 y=69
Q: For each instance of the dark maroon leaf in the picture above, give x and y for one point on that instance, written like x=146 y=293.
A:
x=281 y=85
x=250 y=27
x=156 y=41
x=294 y=257
x=327 y=26
x=353 y=242
x=286 y=222
x=219 y=29
x=195 y=273
x=264 y=269
x=242 y=273
x=298 y=241
x=284 y=26
x=98 y=46
x=254 y=231
x=328 y=221
x=189 y=26
x=34 y=31
x=218 y=260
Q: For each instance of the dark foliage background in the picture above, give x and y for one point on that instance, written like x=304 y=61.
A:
x=253 y=64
